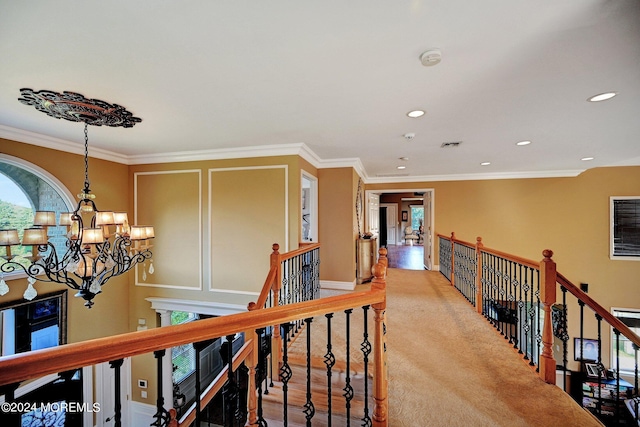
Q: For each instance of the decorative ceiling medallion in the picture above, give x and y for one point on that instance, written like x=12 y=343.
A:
x=76 y=108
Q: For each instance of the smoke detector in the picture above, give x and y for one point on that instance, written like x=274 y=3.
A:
x=431 y=57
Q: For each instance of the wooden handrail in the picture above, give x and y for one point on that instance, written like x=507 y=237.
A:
x=34 y=364
x=598 y=309
x=217 y=384
x=266 y=288
x=294 y=253
x=524 y=261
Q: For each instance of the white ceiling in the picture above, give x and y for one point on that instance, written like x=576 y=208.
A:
x=335 y=79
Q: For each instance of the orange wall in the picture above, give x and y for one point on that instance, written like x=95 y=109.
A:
x=109 y=182
x=337 y=188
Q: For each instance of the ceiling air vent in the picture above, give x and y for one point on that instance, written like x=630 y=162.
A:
x=451 y=144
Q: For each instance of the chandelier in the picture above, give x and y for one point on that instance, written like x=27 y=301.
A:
x=99 y=244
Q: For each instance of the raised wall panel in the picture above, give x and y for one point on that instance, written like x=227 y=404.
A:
x=171 y=201
x=248 y=214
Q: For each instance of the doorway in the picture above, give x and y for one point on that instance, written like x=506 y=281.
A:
x=409 y=206
x=309 y=208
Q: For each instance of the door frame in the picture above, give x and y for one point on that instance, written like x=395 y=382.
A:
x=397 y=232
x=312 y=206
x=431 y=226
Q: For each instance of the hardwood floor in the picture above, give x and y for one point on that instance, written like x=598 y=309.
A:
x=406 y=257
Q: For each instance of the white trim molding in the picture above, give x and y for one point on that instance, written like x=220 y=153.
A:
x=194 y=306
x=340 y=286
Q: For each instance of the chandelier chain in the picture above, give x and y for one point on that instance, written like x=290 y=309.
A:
x=86 y=157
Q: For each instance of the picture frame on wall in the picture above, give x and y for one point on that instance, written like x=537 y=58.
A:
x=405 y=215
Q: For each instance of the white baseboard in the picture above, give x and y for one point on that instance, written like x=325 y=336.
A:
x=341 y=286
x=141 y=413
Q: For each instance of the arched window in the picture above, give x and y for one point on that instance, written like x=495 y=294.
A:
x=25 y=188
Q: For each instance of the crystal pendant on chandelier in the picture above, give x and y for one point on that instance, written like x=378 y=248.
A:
x=100 y=244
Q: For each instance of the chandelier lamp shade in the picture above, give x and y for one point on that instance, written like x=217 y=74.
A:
x=99 y=244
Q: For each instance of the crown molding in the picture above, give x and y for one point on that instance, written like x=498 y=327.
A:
x=299 y=149
x=475 y=177
x=33 y=138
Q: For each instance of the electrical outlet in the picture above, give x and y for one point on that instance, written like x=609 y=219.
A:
x=143 y=394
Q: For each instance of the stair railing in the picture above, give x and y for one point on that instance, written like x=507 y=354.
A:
x=518 y=297
x=293 y=277
x=16 y=369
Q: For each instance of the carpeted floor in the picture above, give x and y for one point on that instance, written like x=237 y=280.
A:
x=449 y=367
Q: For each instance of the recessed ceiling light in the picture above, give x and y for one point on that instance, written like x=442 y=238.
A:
x=602 y=97
x=402 y=167
x=485 y=163
x=523 y=143
x=586 y=159
x=415 y=113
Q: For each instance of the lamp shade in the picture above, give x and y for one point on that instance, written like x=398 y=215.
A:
x=9 y=237
x=65 y=218
x=92 y=236
x=120 y=218
x=150 y=232
x=44 y=218
x=104 y=218
x=34 y=236
x=138 y=232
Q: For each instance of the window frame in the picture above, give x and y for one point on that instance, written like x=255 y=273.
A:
x=184 y=349
x=622 y=338
x=65 y=195
x=612 y=222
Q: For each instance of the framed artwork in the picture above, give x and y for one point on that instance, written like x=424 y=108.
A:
x=405 y=215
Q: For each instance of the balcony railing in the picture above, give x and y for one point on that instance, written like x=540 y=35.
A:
x=519 y=298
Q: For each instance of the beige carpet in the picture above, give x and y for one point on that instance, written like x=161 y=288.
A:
x=448 y=366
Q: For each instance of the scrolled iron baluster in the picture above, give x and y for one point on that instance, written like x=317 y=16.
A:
x=366 y=351
x=309 y=408
x=117 y=417
x=285 y=374
x=329 y=361
x=617 y=334
x=230 y=393
x=538 y=328
x=564 y=337
x=161 y=416
x=261 y=374
x=600 y=365
x=348 y=389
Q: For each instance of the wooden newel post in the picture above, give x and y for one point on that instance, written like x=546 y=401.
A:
x=380 y=388
x=382 y=259
x=276 y=339
x=479 y=299
x=548 y=280
x=453 y=259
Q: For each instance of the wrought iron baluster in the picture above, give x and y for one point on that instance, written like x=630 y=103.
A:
x=565 y=336
x=162 y=415
x=519 y=305
x=348 y=389
x=261 y=373
x=600 y=366
x=532 y=314
x=329 y=361
x=285 y=374
x=538 y=335
x=117 y=418
x=230 y=391
x=309 y=409
x=366 y=350
x=617 y=412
